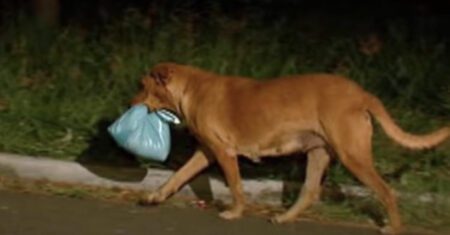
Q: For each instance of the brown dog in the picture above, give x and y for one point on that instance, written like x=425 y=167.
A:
x=320 y=114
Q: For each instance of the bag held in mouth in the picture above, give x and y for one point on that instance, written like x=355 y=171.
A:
x=143 y=133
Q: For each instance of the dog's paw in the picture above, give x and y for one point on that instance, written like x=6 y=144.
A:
x=281 y=219
x=231 y=214
x=388 y=230
x=151 y=199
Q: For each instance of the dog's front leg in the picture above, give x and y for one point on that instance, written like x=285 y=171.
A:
x=230 y=168
x=197 y=163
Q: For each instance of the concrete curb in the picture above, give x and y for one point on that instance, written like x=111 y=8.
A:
x=40 y=168
x=261 y=191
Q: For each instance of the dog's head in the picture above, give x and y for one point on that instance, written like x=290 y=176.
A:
x=155 y=92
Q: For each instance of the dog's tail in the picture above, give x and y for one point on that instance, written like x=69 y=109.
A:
x=377 y=109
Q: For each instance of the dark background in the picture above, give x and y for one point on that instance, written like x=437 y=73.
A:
x=431 y=17
x=68 y=69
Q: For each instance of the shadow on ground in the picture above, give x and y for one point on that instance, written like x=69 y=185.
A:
x=105 y=159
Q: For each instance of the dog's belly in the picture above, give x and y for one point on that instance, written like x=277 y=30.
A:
x=279 y=145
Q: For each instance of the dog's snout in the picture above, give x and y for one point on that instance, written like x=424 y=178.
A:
x=139 y=98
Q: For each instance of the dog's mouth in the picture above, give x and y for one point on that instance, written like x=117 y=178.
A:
x=150 y=109
x=163 y=113
x=168 y=116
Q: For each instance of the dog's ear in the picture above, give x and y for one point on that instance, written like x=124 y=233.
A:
x=162 y=74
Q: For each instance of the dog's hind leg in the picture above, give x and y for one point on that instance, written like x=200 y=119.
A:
x=351 y=136
x=318 y=161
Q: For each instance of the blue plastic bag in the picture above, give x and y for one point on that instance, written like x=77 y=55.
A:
x=144 y=134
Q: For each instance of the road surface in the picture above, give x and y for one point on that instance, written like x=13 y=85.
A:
x=31 y=214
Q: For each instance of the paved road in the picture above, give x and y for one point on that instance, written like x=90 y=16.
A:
x=27 y=214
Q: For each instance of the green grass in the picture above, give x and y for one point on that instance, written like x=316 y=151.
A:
x=57 y=86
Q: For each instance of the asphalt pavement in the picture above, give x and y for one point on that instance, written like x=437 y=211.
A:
x=31 y=214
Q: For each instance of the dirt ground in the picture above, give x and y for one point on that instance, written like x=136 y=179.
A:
x=24 y=213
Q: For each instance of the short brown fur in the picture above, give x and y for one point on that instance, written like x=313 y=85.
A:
x=313 y=113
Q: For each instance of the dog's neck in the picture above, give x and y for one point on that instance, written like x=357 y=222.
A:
x=178 y=92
